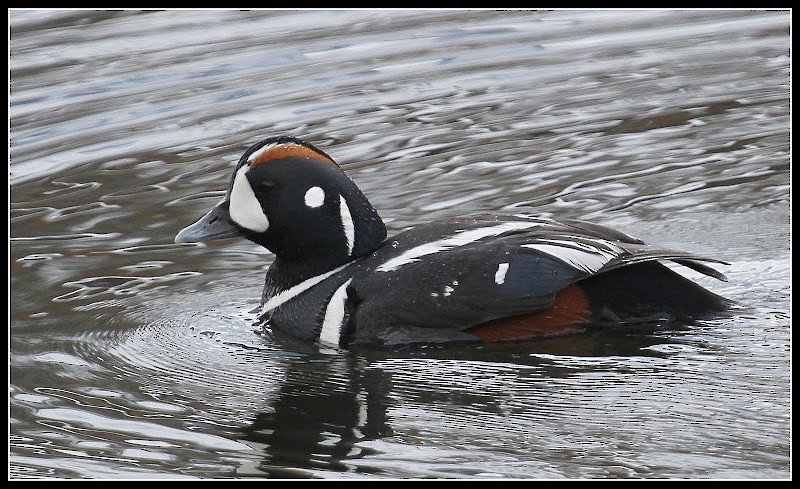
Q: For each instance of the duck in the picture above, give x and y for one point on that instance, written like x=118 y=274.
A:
x=339 y=280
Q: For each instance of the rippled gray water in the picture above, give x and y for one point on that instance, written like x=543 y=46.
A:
x=133 y=357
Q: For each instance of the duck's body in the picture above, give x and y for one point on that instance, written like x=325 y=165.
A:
x=338 y=280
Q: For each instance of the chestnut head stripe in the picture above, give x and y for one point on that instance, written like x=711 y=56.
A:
x=272 y=152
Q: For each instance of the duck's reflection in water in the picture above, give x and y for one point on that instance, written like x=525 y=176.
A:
x=324 y=408
x=329 y=404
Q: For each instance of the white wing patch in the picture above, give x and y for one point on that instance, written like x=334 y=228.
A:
x=500 y=275
x=244 y=209
x=579 y=254
x=459 y=239
x=334 y=316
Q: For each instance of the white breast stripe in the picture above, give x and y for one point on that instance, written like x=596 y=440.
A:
x=459 y=239
x=500 y=275
x=334 y=316
x=581 y=256
x=298 y=289
x=244 y=209
x=347 y=224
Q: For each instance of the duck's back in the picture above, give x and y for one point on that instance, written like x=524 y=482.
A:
x=495 y=278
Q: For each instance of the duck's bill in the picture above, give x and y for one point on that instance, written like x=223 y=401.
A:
x=214 y=225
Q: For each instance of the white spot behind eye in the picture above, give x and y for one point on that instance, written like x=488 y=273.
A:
x=314 y=197
x=244 y=209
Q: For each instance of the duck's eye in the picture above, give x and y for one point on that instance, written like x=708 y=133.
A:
x=265 y=186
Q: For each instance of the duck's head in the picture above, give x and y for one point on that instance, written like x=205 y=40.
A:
x=292 y=198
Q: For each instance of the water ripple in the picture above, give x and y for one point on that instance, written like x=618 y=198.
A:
x=67 y=237
x=134 y=357
x=92 y=287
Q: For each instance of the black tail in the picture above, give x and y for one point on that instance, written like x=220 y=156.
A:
x=649 y=290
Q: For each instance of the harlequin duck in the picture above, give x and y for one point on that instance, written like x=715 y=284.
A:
x=337 y=279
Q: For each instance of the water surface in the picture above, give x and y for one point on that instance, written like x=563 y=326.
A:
x=133 y=357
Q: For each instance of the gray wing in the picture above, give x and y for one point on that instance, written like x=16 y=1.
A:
x=515 y=272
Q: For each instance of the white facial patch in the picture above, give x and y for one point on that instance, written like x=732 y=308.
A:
x=257 y=154
x=347 y=224
x=245 y=210
x=314 y=197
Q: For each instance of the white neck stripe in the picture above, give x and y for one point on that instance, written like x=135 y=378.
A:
x=298 y=289
x=347 y=224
